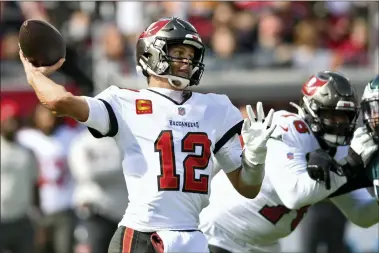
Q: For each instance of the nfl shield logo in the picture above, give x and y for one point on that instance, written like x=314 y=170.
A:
x=290 y=156
x=181 y=111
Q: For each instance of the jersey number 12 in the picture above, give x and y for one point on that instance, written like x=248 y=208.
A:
x=169 y=180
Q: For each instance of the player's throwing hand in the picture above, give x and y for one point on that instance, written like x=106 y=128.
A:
x=30 y=70
x=255 y=133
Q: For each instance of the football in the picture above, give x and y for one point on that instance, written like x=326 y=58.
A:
x=41 y=43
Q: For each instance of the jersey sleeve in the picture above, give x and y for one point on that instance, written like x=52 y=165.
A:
x=356 y=203
x=286 y=163
x=228 y=158
x=102 y=120
x=228 y=148
x=230 y=125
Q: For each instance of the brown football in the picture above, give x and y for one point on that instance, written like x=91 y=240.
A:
x=41 y=43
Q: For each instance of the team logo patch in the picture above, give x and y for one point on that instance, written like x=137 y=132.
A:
x=290 y=155
x=181 y=111
x=144 y=106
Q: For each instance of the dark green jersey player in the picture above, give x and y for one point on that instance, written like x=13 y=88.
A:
x=370 y=111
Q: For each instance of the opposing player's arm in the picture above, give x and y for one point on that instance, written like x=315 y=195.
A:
x=359 y=207
x=286 y=167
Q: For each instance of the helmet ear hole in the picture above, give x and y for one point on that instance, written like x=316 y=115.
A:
x=146 y=56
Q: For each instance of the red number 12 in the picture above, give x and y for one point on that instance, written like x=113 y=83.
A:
x=169 y=180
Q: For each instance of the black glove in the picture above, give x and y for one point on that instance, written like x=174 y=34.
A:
x=319 y=165
x=352 y=164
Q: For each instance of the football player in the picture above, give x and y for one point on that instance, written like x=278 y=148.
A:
x=167 y=135
x=370 y=110
x=365 y=138
x=326 y=121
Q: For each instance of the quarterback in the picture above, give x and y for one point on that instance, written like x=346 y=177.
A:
x=325 y=123
x=167 y=135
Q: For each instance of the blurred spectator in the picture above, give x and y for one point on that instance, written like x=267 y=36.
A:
x=338 y=29
x=307 y=52
x=224 y=55
x=9 y=46
x=354 y=49
x=199 y=15
x=245 y=23
x=130 y=19
x=18 y=181
x=78 y=66
x=55 y=182
x=223 y=14
x=13 y=14
x=112 y=62
x=271 y=50
x=100 y=195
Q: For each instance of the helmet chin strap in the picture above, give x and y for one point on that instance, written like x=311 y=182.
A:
x=179 y=82
x=175 y=81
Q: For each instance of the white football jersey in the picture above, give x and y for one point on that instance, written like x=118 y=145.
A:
x=286 y=193
x=167 y=148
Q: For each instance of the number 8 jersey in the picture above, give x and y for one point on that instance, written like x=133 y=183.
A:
x=167 y=148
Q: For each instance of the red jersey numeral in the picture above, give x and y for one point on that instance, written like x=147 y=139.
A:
x=274 y=213
x=169 y=180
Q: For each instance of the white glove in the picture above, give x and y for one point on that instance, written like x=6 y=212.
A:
x=255 y=134
x=363 y=144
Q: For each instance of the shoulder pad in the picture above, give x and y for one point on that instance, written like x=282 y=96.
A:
x=293 y=131
x=218 y=98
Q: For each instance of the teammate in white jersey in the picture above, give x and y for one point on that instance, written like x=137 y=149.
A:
x=168 y=135
x=326 y=122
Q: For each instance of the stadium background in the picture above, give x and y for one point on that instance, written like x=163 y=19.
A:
x=256 y=51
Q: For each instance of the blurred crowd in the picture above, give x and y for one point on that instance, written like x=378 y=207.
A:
x=62 y=190
x=101 y=35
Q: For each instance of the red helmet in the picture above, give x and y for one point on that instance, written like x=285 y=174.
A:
x=152 y=51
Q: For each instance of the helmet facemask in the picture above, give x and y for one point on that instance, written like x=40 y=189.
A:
x=370 y=111
x=370 y=107
x=334 y=125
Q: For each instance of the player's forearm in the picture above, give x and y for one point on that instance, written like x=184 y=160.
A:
x=362 y=210
x=247 y=180
x=301 y=190
x=366 y=214
x=57 y=99
x=238 y=179
x=48 y=92
x=251 y=178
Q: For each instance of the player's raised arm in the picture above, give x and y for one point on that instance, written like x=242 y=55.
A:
x=52 y=95
x=248 y=176
x=95 y=113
